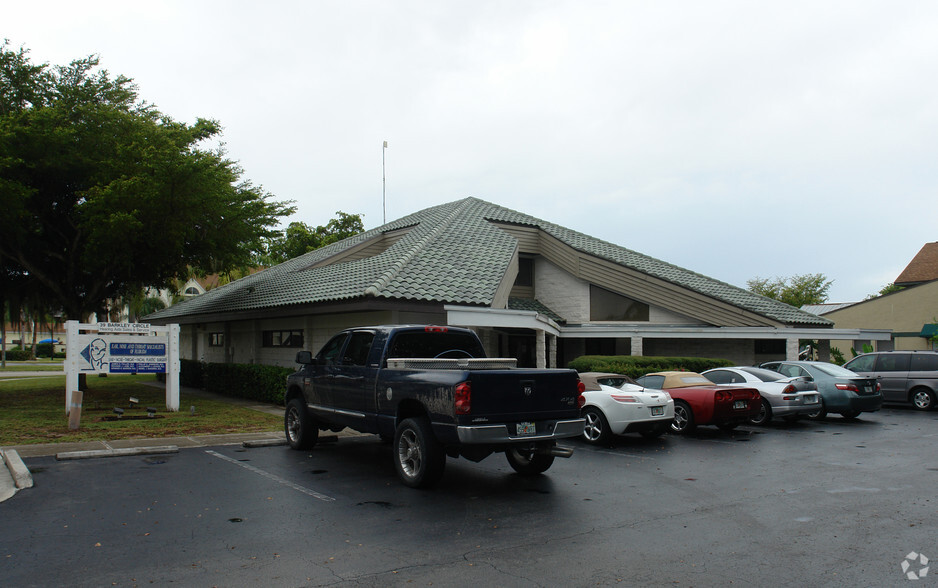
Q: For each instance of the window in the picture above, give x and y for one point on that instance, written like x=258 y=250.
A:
x=892 y=362
x=525 y=272
x=282 y=339
x=924 y=362
x=356 y=352
x=216 y=339
x=723 y=377
x=609 y=306
x=330 y=351
x=191 y=291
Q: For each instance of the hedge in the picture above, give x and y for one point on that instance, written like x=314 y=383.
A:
x=637 y=366
x=17 y=354
x=264 y=383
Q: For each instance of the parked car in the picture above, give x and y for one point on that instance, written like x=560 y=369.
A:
x=698 y=401
x=842 y=391
x=788 y=398
x=616 y=405
x=905 y=376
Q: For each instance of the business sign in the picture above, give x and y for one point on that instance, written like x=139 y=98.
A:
x=122 y=348
x=122 y=355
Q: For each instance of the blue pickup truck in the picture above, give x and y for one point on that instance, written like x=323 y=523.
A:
x=433 y=393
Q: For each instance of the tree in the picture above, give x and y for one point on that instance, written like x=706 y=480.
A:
x=300 y=238
x=887 y=289
x=103 y=195
x=796 y=290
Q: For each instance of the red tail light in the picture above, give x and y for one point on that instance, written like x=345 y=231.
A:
x=435 y=329
x=580 y=399
x=851 y=387
x=789 y=389
x=723 y=396
x=463 y=398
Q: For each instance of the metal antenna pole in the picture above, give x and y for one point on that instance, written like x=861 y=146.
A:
x=384 y=205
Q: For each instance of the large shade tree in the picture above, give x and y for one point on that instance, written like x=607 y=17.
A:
x=101 y=194
x=797 y=290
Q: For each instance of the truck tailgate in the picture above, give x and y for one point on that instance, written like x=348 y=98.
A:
x=519 y=394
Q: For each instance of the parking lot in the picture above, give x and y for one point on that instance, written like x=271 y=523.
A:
x=837 y=502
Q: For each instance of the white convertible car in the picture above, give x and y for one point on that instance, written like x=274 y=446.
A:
x=616 y=405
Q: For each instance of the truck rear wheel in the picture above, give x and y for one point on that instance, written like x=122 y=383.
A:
x=526 y=461
x=299 y=426
x=418 y=457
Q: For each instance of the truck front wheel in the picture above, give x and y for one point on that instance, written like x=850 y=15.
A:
x=418 y=457
x=299 y=426
x=526 y=461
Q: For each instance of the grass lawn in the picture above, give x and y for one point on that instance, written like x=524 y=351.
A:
x=33 y=411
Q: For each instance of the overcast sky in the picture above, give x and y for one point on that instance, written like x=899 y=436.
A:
x=733 y=138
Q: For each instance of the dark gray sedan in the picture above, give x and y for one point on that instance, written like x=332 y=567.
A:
x=841 y=390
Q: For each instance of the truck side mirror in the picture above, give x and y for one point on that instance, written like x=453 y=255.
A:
x=304 y=357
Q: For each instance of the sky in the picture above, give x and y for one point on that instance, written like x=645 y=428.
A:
x=736 y=139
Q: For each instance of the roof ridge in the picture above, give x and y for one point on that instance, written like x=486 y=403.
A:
x=385 y=278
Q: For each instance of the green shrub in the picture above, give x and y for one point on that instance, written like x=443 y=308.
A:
x=264 y=383
x=19 y=354
x=637 y=366
x=191 y=373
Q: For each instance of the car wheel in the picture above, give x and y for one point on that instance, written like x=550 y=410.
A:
x=655 y=432
x=596 y=429
x=683 y=418
x=418 y=457
x=850 y=414
x=526 y=461
x=299 y=426
x=923 y=399
x=819 y=414
x=764 y=416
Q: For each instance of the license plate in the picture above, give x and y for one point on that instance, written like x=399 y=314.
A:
x=868 y=389
x=526 y=428
x=740 y=404
x=657 y=410
x=810 y=399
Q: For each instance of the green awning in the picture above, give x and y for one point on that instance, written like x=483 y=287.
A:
x=929 y=330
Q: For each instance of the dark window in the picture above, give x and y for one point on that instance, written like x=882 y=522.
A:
x=356 y=352
x=411 y=344
x=723 y=377
x=924 y=362
x=609 y=306
x=216 y=339
x=191 y=291
x=763 y=374
x=770 y=347
x=862 y=363
x=282 y=339
x=602 y=346
x=330 y=351
x=651 y=382
x=892 y=362
x=525 y=272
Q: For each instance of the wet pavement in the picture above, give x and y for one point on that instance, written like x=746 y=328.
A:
x=831 y=503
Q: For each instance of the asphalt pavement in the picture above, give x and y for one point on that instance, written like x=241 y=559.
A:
x=15 y=476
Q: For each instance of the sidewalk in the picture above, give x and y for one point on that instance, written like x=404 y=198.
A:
x=14 y=476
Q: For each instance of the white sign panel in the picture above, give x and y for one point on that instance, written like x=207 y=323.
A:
x=143 y=328
x=122 y=355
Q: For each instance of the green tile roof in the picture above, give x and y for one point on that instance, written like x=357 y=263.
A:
x=453 y=254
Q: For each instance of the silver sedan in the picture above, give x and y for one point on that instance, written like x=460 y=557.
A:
x=788 y=398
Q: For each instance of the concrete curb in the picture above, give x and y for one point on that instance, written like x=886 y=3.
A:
x=70 y=455
x=21 y=474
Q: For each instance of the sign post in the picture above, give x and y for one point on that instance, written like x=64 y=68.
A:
x=122 y=348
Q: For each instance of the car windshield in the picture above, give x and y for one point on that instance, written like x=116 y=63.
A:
x=764 y=375
x=834 y=370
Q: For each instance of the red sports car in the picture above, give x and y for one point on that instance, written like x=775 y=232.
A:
x=698 y=401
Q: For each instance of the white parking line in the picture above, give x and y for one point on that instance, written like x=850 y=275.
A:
x=270 y=476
